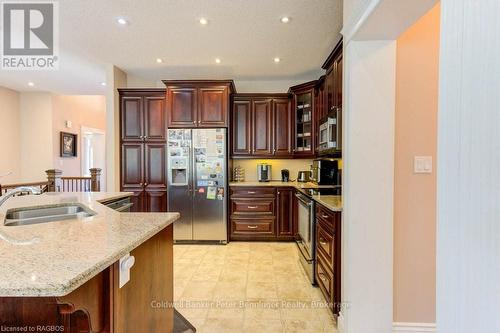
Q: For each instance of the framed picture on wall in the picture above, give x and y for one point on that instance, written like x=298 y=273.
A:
x=68 y=144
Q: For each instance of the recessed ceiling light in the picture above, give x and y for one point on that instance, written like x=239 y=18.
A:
x=159 y=60
x=31 y=84
x=103 y=84
x=122 y=21
x=217 y=60
x=203 y=21
x=276 y=60
x=285 y=19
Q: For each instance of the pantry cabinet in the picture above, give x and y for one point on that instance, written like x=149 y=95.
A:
x=304 y=118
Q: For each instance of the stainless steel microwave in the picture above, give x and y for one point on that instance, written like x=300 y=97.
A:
x=330 y=132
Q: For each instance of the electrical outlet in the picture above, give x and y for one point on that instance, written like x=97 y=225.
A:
x=422 y=164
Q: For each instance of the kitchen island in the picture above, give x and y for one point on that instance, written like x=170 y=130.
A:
x=65 y=275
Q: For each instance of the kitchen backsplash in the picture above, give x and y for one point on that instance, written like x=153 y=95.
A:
x=250 y=166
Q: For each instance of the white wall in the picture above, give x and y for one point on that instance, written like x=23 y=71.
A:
x=10 y=159
x=367 y=276
x=115 y=79
x=468 y=236
x=35 y=135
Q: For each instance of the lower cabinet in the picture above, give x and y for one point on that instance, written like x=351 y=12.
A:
x=261 y=213
x=328 y=233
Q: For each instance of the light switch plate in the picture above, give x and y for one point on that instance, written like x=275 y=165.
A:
x=422 y=164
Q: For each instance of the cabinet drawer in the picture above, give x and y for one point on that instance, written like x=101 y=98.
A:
x=252 y=206
x=325 y=242
x=324 y=278
x=326 y=216
x=253 y=192
x=253 y=226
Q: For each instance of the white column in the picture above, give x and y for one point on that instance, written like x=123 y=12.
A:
x=468 y=235
x=115 y=78
x=367 y=244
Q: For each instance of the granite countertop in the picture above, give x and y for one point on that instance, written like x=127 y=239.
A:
x=277 y=183
x=55 y=258
x=332 y=202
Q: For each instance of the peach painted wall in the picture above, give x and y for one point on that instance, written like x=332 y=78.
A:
x=88 y=111
x=415 y=194
x=10 y=160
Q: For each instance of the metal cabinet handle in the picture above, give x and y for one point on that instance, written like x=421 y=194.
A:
x=322 y=276
x=325 y=216
x=145 y=184
x=251 y=192
x=252 y=226
x=252 y=207
x=322 y=241
x=141 y=184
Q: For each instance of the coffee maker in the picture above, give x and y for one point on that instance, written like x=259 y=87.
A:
x=264 y=172
x=325 y=171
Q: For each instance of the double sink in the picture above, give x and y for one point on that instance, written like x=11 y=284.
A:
x=49 y=213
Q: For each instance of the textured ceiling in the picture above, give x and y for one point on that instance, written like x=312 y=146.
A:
x=245 y=34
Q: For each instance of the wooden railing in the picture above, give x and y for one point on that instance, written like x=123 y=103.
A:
x=57 y=183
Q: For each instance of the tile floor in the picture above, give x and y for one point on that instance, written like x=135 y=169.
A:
x=247 y=287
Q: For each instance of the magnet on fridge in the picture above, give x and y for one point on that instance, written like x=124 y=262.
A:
x=201 y=190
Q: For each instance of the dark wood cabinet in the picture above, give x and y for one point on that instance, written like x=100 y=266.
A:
x=262 y=213
x=143 y=148
x=198 y=103
x=305 y=119
x=241 y=128
x=282 y=127
x=261 y=126
x=328 y=255
x=182 y=104
x=333 y=78
x=286 y=228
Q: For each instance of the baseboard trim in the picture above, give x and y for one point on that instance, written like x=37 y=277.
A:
x=414 y=327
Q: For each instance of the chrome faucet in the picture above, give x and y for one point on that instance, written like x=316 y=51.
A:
x=17 y=190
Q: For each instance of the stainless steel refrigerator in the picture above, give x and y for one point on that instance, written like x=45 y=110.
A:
x=197 y=184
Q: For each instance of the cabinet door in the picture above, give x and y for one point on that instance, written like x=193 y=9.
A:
x=132 y=117
x=282 y=128
x=329 y=89
x=155 y=167
x=182 y=106
x=337 y=88
x=241 y=128
x=212 y=110
x=285 y=213
x=154 y=111
x=262 y=124
x=132 y=174
x=155 y=201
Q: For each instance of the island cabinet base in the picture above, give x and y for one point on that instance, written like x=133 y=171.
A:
x=144 y=304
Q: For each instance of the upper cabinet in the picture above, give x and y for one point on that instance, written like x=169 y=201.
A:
x=333 y=78
x=305 y=119
x=142 y=115
x=261 y=126
x=198 y=103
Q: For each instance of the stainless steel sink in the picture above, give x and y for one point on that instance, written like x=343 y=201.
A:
x=34 y=215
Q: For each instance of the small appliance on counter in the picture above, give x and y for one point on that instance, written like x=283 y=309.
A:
x=238 y=174
x=264 y=172
x=304 y=176
x=285 y=175
x=325 y=171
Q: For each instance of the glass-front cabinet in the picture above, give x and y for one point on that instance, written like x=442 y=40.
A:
x=305 y=119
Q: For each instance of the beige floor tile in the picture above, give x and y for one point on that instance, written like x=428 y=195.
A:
x=267 y=310
x=230 y=291
x=207 y=273
x=199 y=290
x=226 y=310
x=261 y=290
x=193 y=313
x=301 y=326
x=263 y=326
x=221 y=325
x=238 y=275
x=306 y=314
x=261 y=275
